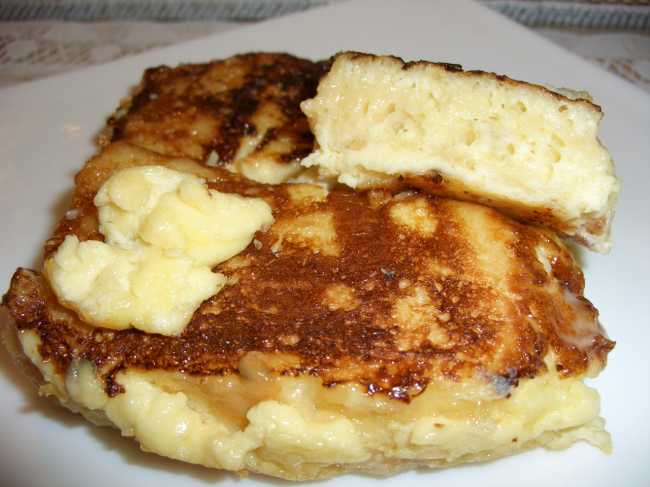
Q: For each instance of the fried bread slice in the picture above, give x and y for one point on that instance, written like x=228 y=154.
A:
x=522 y=148
x=363 y=331
x=242 y=113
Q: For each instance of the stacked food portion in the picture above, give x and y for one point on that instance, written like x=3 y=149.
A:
x=216 y=293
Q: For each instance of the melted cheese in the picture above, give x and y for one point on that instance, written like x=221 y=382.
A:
x=144 y=287
x=164 y=231
x=293 y=427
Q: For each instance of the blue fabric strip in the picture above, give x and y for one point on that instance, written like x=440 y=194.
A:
x=576 y=15
x=159 y=10
x=533 y=14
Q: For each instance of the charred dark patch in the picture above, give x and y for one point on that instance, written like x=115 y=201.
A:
x=229 y=93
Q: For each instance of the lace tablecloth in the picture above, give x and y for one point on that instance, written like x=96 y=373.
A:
x=39 y=38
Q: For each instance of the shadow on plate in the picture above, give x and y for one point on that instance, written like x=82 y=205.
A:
x=57 y=212
x=578 y=252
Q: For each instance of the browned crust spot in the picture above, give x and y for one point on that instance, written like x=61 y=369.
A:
x=437 y=184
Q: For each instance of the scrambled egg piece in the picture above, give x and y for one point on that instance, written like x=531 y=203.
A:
x=164 y=230
x=175 y=211
x=142 y=287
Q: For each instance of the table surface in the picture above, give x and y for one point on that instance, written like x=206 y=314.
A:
x=56 y=37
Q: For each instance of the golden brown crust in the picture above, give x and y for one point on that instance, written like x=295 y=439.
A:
x=374 y=301
x=386 y=305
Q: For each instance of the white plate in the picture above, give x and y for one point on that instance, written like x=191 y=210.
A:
x=46 y=131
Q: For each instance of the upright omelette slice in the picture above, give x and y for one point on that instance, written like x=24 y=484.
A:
x=528 y=151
